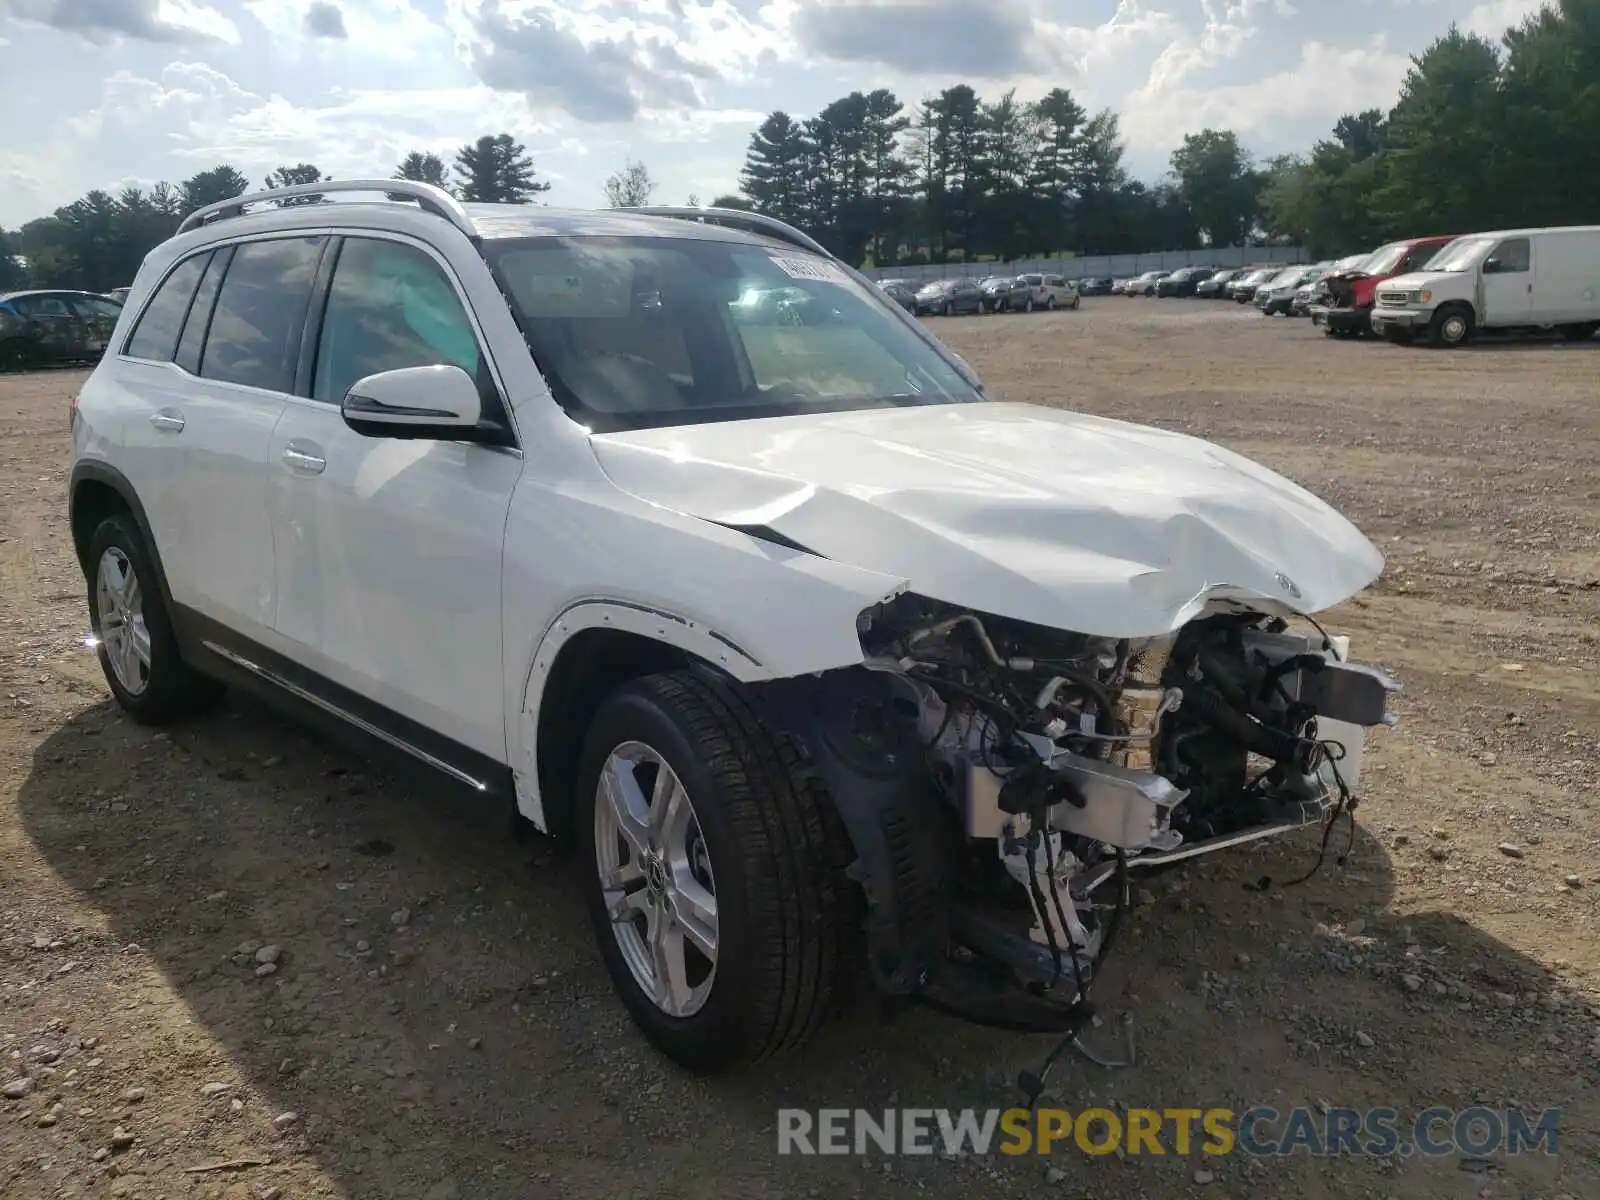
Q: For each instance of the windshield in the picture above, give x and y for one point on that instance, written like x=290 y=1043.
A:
x=1461 y=255
x=1386 y=259
x=635 y=332
x=1292 y=275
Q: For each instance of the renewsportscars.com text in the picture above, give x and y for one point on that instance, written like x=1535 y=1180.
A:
x=1258 y=1132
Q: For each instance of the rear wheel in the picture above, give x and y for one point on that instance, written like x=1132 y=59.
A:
x=1580 y=332
x=1050 y=304
x=1450 y=327
x=717 y=885
x=1027 y=305
x=137 y=647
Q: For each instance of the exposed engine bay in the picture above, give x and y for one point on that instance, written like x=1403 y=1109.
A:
x=1001 y=780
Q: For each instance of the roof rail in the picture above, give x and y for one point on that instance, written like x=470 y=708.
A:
x=735 y=218
x=429 y=198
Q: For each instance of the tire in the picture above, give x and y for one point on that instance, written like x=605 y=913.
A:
x=773 y=853
x=137 y=648
x=1049 y=304
x=1076 y=301
x=1451 y=327
x=945 y=311
x=16 y=355
x=1027 y=305
x=1581 y=332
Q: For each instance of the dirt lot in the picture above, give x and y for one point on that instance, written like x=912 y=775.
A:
x=439 y=1024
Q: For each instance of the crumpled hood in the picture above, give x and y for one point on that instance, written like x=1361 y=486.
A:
x=1066 y=520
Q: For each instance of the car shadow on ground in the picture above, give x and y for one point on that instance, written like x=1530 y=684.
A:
x=438 y=1019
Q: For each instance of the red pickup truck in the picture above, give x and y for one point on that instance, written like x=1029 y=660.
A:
x=1344 y=307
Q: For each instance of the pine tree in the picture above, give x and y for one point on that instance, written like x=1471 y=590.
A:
x=497 y=170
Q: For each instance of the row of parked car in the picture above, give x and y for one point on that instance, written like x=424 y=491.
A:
x=992 y=294
x=1442 y=289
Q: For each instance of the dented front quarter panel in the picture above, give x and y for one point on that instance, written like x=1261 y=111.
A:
x=1065 y=520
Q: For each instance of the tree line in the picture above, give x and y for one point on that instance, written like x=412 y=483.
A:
x=1483 y=135
x=97 y=243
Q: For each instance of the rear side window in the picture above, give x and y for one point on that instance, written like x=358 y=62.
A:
x=156 y=335
x=193 y=339
x=1055 y=281
x=254 y=337
x=93 y=306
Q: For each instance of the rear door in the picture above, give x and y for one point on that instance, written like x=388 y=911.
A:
x=1507 y=283
x=210 y=363
x=99 y=317
x=54 y=330
x=389 y=551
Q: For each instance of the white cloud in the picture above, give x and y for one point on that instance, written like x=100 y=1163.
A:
x=610 y=60
x=1158 y=116
x=382 y=29
x=1495 y=17
x=105 y=21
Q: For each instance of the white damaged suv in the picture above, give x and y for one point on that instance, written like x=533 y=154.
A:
x=826 y=662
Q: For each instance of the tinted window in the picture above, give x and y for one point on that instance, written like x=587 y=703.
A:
x=42 y=306
x=255 y=331
x=156 y=335
x=1055 y=281
x=390 y=306
x=194 y=329
x=1514 y=256
x=93 y=306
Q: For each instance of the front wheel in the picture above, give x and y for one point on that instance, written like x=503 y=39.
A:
x=716 y=882
x=137 y=647
x=1075 y=302
x=16 y=355
x=1450 y=327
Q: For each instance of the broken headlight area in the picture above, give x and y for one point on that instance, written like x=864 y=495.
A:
x=1001 y=780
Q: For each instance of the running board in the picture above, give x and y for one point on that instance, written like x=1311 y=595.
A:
x=267 y=675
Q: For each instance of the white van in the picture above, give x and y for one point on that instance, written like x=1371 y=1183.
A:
x=1510 y=280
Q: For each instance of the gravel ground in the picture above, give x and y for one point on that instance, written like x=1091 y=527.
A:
x=232 y=943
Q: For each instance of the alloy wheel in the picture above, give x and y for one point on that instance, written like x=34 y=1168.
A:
x=123 y=632
x=656 y=878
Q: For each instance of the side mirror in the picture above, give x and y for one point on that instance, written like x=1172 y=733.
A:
x=440 y=402
x=1491 y=266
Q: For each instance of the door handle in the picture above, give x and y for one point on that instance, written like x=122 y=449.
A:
x=168 y=420
x=304 y=457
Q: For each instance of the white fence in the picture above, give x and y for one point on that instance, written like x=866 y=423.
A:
x=1116 y=266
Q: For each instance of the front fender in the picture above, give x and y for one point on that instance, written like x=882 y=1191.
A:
x=803 y=623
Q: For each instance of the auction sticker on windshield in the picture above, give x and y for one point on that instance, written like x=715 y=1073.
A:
x=809 y=268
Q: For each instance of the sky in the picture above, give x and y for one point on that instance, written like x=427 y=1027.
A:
x=103 y=93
